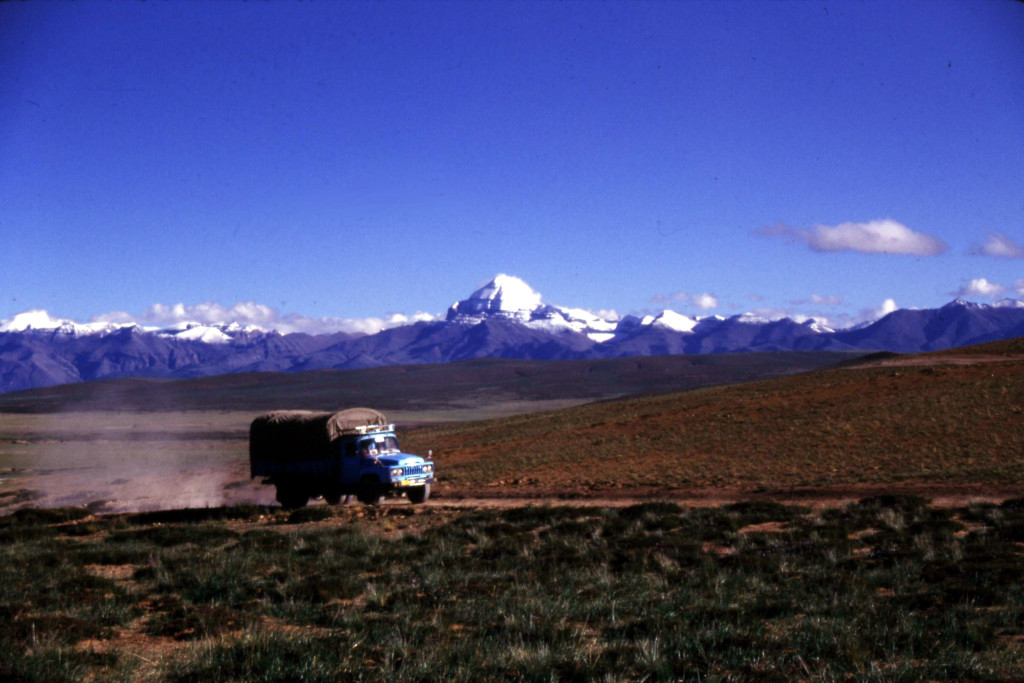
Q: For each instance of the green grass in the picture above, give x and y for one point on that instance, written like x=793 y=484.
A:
x=889 y=588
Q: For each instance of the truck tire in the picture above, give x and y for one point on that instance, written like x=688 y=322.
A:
x=291 y=497
x=418 y=494
x=370 y=492
x=337 y=498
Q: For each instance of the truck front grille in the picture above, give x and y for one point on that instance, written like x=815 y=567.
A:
x=412 y=470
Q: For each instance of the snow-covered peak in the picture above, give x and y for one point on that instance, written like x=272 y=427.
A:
x=504 y=296
x=203 y=333
x=750 y=318
x=671 y=320
x=509 y=297
x=219 y=333
x=32 y=320
x=961 y=303
x=576 y=319
x=818 y=326
x=41 y=321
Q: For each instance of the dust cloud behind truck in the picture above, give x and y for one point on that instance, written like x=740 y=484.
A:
x=352 y=453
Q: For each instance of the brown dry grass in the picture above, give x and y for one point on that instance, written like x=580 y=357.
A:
x=947 y=425
x=941 y=420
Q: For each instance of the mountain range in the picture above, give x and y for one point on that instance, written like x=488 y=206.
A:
x=505 y=318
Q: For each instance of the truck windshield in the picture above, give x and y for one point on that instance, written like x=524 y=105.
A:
x=378 y=445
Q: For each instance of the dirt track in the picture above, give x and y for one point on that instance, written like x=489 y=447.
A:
x=939 y=495
x=105 y=489
x=209 y=487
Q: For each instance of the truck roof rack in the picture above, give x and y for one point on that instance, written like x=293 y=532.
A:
x=373 y=429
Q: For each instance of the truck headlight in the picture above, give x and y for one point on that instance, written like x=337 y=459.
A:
x=427 y=469
x=396 y=472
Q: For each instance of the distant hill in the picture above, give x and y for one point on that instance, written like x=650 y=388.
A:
x=503 y=319
x=465 y=384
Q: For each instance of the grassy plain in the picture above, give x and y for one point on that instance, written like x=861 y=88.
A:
x=889 y=588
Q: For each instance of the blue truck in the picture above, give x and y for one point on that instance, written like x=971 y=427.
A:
x=337 y=456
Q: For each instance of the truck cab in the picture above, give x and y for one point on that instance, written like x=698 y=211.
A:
x=373 y=466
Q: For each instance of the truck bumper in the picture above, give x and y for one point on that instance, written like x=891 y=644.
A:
x=406 y=483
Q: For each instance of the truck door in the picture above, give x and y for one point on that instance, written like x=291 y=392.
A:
x=350 y=462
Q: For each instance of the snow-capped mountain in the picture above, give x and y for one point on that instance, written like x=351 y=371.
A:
x=41 y=321
x=509 y=298
x=671 y=320
x=503 y=297
x=222 y=333
x=503 y=318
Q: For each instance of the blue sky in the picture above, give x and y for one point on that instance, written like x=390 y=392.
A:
x=346 y=161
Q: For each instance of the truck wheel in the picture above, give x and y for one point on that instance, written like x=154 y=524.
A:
x=418 y=494
x=370 y=492
x=337 y=498
x=291 y=497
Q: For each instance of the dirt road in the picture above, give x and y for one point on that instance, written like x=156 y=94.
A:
x=106 y=491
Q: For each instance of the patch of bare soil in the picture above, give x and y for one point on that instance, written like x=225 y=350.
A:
x=151 y=652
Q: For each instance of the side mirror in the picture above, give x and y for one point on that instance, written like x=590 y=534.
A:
x=430 y=454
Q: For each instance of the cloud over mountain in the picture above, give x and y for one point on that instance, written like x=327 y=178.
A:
x=888 y=306
x=252 y=314
x=981 y=287
x=704 y=301
x=821 y=300
x=883 y=236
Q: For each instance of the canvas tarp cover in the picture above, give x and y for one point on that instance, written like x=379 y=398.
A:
x=302 y=434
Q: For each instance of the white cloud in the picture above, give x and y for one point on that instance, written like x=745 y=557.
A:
x=1018 y=287
x=373 y=325
x=250 y=313
x=887 y=307
x=998 y=245
x=867 y=315
x=980 y=287
x=704 y=301
x=884 y=236
x=820 y=300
